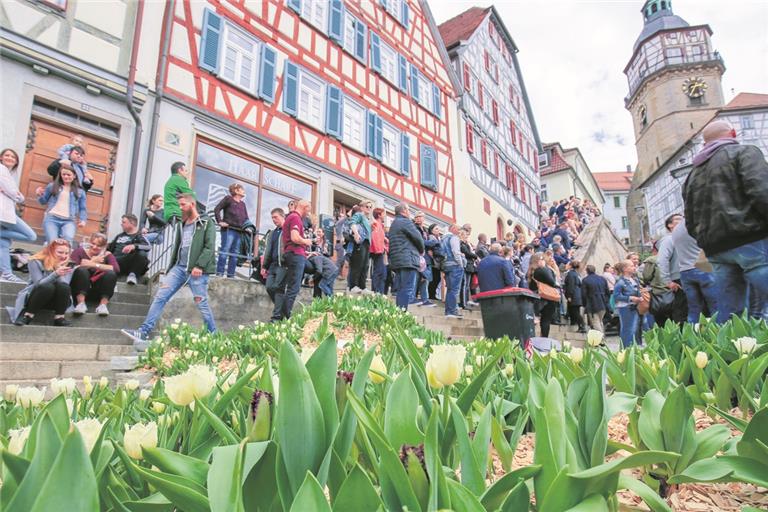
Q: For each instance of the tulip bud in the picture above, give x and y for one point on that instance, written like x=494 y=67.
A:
x=103 y=382
x=594 y=338
x=708 y=397
x=468 y=370
x=10 y=392
x=90 y=429
x=509 y=370
x=577 y=355
x=621 y=356
x=140 y=436
x=17 y=439
x=378 y=370
x=343 y=382
x=444 y=365
x=158 y=407
x=419 y=342
x=144 y=394
x=412 y=458
x=260 y=417
x=131 y=384
x=701 y=360
x=566 y=346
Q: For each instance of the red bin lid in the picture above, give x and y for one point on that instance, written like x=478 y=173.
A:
x=506 y=292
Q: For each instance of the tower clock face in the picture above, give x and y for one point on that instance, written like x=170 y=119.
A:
x=695 y=87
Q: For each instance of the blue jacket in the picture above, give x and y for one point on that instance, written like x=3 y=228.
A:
x=76 y=204
x=495 y=273
x=566 y=243
x=623 y=290
x=405 y=244
x=594 y=290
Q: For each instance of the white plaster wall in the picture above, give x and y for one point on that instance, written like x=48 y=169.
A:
x=614 y=214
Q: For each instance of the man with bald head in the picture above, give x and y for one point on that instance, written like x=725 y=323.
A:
x=726 y=211
x=453 y=267
x=494 y=272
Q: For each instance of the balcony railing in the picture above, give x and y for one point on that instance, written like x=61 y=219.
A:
x=667 y=61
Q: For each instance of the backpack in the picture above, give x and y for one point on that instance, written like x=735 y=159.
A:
x=346 y=231
x=445 y=249
x=438 y=256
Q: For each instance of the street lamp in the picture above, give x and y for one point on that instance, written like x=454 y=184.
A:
x=640 y=212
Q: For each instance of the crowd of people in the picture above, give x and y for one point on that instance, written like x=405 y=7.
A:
x=415 y=262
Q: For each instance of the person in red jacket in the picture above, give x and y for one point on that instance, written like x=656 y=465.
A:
x=379 y=249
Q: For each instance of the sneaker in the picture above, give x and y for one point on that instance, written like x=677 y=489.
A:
x=61 y=322
x=102 y=310
x=355 y=289
x=131 y=279
x=472 y=303
x=10 y=277
x=23 y=320
x=454 y=315
x=80 y=309
x=366 y=291
x=135 y=334
x=428 y=304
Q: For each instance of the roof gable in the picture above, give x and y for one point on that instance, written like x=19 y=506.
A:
x=461 y=27
x=613 y=181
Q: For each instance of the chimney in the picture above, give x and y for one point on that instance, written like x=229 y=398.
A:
x=629 y=168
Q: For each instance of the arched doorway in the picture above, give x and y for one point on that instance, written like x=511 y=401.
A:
x=499 y=229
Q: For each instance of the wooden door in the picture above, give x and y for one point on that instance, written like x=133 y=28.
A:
x=44 y=140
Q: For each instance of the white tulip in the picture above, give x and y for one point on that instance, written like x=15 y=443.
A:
x=90 y=429
x=445 y=364
x=701 y=360
x=17 y=439
x=70 y=406
x=29 y=396
x=196 y=382
x=621 y=356
x=103 y=382
x=158 y=407
x=594 y=338
x=131 y=384
x=566 y=346
x=509 y=370
x=468 y=370
x=377 y=370
x=144 y=394
x=140 y=436
x=62 y=386
x=745 y=344
x=577 y=355
x=419 y=342
x=10 y=392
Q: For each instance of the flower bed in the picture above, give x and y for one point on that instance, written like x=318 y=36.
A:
x=351 y=405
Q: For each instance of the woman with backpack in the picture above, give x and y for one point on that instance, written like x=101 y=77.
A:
x=11 y=226
x=65 y=202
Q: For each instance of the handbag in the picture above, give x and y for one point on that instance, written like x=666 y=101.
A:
x=548 y=292
x=663 y=303
x=645 y=302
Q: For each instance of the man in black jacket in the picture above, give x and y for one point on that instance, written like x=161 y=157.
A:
x=594 y=291
x=572 y=289
x=272 y=268
x=131 y=249
x=726 y=211
x=406 y=246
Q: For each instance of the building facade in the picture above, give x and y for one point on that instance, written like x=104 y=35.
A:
x=499 y=141
x=565 y=173
x=324 y=100
x=615 y=188
x=67 y=70
x=747 y=112
x=674 y=79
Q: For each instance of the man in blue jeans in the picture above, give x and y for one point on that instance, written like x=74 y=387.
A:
x=294 y=254
x=406 y=247
x=453 y=266
x=192 y=261
x=726 y=210
x=699 y=286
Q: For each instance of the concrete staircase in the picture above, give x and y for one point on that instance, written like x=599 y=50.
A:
x=33 y=354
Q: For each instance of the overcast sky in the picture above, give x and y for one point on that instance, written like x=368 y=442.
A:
x=573 y=52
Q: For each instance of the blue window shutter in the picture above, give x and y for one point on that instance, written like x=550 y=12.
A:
x=415 y=82
x=360 y=40
x=405 y=154
x=437 y=107
x=295 y=5
x=428 y=167
x=405 y=14
x=375 y=52
x=379 y=137
x=336 y=22
x=267 y=73
x=370 y=146
x=403 y=73
x=333 y=108
x=291 y=89
x=210 y=42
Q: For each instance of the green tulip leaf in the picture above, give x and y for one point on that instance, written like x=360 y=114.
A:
x=645 y=458
x=177 y=464
x=494 y=496
x=224 y=432
x=710 y=441
x=348 y=424
x=675 y=419
x=472 y=474
x=651 y=498
x=310 y=497
x=755 y=439
x=322 y=368
x=463 y=499
x=594 y=503
x=152 y=503
x=439 y=496
x=357 y=493
x=649 y=423
x=400 y=412
x=182 y=492
x=519 y=498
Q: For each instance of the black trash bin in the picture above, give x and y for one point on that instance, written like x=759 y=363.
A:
x=508 y=312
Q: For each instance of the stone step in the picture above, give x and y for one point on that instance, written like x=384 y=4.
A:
x=68 y=335
x=13 y=351
x=433 y=321
x=42 y=370
x=90 y=319
x=122 y=294
x=115 y=306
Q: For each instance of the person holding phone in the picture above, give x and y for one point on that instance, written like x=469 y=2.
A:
x=65 y=202
x=50 y=272
x=95 y=276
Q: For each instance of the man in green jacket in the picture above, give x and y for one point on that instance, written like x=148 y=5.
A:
x=192 y=261
x=176 y=185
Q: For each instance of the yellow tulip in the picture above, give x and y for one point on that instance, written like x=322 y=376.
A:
x=577 y=355
x=377 y=370
x=445 y=364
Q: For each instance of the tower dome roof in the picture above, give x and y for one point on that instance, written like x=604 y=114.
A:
x=658 y=16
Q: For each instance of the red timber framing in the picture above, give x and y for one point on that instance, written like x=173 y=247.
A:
x=293 y=38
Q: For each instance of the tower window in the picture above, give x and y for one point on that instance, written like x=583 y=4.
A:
x=695 y=102
x=654 y=8
x=746 y=123
x=663 y=5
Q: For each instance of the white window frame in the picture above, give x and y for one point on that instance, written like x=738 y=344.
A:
x=393 y=7
x=353 y=115
x=543 y=193
x=426 y=97
x=350 y=34
x=316 y=13
x=305 y=89
x=240 y=53
x=617 y=206
x=390 y=146
x=390 y=64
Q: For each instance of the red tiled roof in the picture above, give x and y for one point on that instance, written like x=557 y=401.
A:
x=556 y=163
x=747 y=100
x=613 y=181
x=461 y=27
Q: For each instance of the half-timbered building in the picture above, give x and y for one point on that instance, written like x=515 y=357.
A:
x=500 y=143
x=328 y=100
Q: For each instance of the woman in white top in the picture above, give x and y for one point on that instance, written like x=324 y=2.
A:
x=65 y=201
x=11 y=226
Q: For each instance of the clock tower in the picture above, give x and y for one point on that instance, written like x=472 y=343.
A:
x=674 y=79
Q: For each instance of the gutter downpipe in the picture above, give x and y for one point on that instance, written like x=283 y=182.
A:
x=170 y=6
x=137 y=131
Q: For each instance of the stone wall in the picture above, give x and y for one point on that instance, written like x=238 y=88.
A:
x=234 y=302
